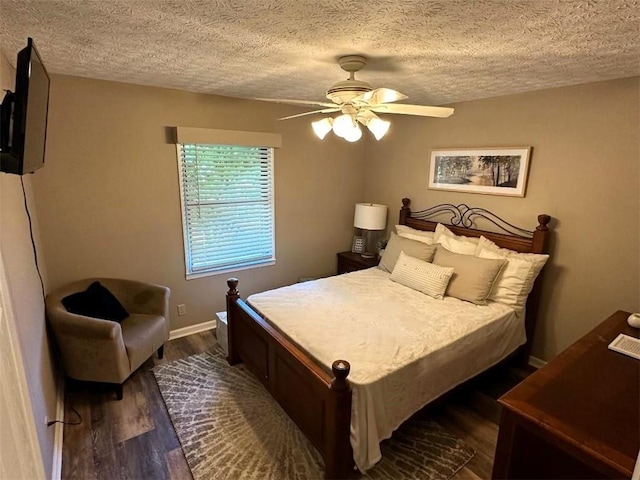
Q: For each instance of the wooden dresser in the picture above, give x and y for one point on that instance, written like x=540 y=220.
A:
x=578 y=416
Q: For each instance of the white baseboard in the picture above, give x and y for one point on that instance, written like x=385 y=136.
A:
x=191 y=329
x=56 y=465
x=536 y=362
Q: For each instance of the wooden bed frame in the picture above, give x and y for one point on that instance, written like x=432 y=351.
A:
x=320 y=402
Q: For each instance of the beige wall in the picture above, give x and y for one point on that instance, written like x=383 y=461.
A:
x=25 y=293
x=584 y=172
x=108 y=195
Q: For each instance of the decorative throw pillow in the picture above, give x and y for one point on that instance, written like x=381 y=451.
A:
x=413 y=248
x=473 y=277
x=515 y=282
x=414 y=234
x=96 y=301
x=422 y=276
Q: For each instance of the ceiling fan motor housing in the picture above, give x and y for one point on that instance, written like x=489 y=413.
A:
x=343 y=92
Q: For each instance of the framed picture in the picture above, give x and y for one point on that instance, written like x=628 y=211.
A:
x=494 y=171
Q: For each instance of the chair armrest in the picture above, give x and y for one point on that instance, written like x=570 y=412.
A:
x=69 y=324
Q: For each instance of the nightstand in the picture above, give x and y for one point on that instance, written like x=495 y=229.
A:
x=350 y=262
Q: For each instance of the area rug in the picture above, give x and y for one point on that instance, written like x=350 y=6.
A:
x=231 y=428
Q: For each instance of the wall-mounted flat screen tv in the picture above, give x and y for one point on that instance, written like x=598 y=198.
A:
x=23 y=116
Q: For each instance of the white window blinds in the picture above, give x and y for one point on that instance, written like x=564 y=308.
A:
x=227 y=204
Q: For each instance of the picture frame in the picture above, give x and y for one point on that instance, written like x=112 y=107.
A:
x=492 y=171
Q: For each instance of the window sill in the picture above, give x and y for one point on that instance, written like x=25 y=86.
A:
x=191 y=276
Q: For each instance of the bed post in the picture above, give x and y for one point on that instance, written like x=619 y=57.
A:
x=339 y=454
x=405 y=211
x=232 y=296
x=540 y=235
x=539 y=245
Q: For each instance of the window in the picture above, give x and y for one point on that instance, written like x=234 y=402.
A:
x=227 y=207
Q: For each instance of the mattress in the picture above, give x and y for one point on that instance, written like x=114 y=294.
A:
x=405 y=348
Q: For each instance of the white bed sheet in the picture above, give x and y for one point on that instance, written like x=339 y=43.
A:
x=405 y=348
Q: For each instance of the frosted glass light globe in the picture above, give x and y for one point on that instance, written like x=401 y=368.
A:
x=343 y=124
x=322 y=127
x=354 y=134
x=378 y=127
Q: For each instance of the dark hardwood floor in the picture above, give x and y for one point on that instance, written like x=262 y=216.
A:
x=134 y=438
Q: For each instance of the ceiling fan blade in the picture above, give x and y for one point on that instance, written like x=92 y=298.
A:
x=297 y=102
x=324 y=110
x=420 y=110
x=379 y=95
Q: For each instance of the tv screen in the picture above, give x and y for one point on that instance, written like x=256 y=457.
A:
x=28 y=115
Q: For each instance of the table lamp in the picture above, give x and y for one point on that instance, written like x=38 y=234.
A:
x=370 y=217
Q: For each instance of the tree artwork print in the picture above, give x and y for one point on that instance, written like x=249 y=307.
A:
x=493 y=171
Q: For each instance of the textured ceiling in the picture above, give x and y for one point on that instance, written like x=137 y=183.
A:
x=436 y=52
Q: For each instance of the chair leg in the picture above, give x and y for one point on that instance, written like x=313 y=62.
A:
x=161 y=352
x=119 y=391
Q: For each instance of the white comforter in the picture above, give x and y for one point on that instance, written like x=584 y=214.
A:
x=405 y=348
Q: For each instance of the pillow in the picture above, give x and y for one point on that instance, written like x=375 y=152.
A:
x=515 y=282
x=414 y=234
x=422 y=276
x=397 y=244
x=96 y=301
x=455 y=243
x=538 y=259
x=441 y=231
x=473 y=277
x=485 y=243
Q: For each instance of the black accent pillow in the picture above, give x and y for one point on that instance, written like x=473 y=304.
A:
x=96 y=301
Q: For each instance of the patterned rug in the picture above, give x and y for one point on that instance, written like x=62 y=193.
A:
x=231 y=428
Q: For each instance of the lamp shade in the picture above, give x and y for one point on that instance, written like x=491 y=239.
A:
x=370 y=216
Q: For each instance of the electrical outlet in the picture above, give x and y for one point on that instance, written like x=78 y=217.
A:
x=46 y=420
x=182 y=309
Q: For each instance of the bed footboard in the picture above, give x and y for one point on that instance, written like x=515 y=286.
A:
x=318 y=402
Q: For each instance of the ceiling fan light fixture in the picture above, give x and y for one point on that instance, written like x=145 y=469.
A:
x=343 y=125
x=378 y=127
x=322 y=127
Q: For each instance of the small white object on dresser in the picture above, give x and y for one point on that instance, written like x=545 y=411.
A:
x=221 y=331
x=634 y=320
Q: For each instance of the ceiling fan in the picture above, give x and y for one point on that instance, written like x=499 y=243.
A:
x=358 y=102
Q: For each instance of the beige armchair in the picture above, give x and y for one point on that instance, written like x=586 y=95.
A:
x=98 y=350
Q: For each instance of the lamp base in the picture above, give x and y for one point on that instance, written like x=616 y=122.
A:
x=367 y=255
